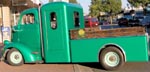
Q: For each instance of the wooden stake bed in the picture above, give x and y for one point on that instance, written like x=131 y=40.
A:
x=97 y=33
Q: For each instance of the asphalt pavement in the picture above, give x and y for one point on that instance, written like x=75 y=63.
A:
x=93 y=67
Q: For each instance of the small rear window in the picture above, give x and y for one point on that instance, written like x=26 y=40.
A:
x=76 y=19
x=53 y=20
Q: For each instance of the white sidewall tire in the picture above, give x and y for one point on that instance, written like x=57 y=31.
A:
x=111 y=58
x=14 y=57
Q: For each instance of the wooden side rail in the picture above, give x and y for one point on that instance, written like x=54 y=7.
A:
x=97 y=33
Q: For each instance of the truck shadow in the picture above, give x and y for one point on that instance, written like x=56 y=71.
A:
x=92 y=65
x=1 y=47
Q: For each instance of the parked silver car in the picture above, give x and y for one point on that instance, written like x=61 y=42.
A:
x=145 y=21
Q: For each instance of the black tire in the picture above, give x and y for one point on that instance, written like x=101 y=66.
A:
x=111 y=58
x=14 y=57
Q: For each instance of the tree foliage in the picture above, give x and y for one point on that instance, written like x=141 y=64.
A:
x=143 y=3
x=5 y=2
x=95 y=7
x=113 y=6
x=73 y=1
x=137 y=3
x=109 y=6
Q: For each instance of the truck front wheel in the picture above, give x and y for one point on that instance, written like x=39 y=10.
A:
x=14 y=57
x=111 y=58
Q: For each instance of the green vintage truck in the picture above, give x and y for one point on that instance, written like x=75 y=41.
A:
x=55 y=33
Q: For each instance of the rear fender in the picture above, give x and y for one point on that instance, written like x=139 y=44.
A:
x=115 y=45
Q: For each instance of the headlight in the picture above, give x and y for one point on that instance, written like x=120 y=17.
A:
x=6 y=42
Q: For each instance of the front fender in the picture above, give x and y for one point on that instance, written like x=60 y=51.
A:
x=25 y=51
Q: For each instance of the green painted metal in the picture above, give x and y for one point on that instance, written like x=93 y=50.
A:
x=87 y=50
x=28 y=56
x=57 y=44
x=56 y=41
x=26 y=37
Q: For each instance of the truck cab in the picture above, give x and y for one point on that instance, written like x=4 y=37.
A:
x=43 y=33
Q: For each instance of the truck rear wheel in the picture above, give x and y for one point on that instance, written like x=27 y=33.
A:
x=14 y=57
x=111 y=58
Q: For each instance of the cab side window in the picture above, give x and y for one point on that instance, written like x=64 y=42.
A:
x=53 y=20
x=76 y=19
x=28 y=19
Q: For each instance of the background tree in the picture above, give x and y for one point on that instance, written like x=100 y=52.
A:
x=95 y=8
x=137 y=3
x=111 y=7
x=73 y=1
x=6 y=2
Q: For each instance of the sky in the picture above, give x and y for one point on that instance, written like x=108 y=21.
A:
x=86 y=3
x=44 y=1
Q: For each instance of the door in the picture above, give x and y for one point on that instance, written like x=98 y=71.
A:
x=29 y=34
x=55 y=48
